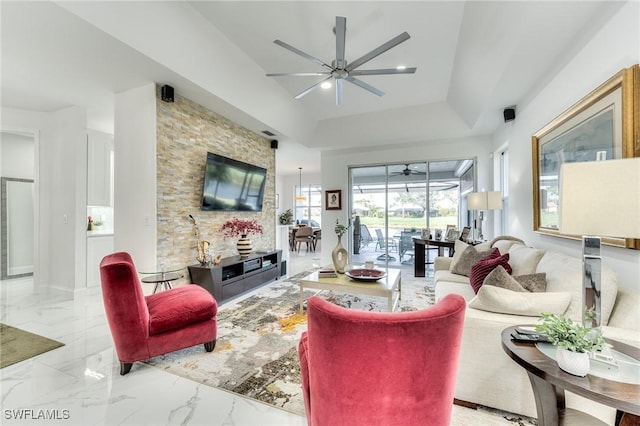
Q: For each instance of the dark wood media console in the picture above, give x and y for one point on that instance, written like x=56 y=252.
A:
x=235 y=275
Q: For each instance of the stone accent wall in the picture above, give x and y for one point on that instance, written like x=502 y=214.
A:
x=186 y=131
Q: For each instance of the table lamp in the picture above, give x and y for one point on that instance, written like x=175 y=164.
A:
x=481 y=201
x=599 y=199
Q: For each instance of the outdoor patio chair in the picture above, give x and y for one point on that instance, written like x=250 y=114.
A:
x=385 y=243
x=365 y=236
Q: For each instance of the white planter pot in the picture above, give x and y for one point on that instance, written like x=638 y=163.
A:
x=576 y=363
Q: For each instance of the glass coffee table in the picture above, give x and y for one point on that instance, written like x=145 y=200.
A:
x=389 y=286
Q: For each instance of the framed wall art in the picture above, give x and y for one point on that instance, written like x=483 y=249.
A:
x=333 y=200
x=602 y=126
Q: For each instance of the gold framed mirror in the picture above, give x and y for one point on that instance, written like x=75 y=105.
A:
x=604 y=125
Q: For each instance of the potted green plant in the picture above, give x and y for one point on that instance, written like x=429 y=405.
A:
x=286 y=217
x=573 y=342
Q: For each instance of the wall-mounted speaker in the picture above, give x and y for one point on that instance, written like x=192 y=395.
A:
x=509 y=114
x=274 y=144
x=167 y=93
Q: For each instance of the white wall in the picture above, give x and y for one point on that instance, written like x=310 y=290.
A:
x=63 y=189
x=17 y=156
x=135 y=189
x=335 y=171
x=616 y=46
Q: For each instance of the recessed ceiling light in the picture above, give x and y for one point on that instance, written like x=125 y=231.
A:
x=401 y=67
x=326 y=85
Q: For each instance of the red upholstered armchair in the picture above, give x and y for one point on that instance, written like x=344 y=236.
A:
x=146 y=326
x=374 y=368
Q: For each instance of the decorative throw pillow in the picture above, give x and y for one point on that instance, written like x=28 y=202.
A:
x=495 y=299
x=468 y=257
x=524 y=260
x=482 y=268
x=499 y=277
x=458 y=249
x=535 y=283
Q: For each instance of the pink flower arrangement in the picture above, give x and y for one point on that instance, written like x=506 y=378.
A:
x=236 y=227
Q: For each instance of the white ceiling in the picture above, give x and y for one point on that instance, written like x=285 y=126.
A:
x=474 y=58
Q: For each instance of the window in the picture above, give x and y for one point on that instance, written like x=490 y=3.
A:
x=504 y=187
x=308 y=201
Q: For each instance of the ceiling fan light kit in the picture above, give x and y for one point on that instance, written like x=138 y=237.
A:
x=340 y=70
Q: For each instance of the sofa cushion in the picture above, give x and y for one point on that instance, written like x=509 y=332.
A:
x=447 y=287
x=468 y=257
x=564 y=273
x=625 y=311
x=524 y=260
x=501 y=300
x=484 y=266
x=505 y=245
x=446 y=275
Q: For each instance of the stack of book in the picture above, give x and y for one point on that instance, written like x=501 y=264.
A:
x=266 y=263
x=327 y=273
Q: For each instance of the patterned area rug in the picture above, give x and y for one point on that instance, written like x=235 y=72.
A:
x=256 y=352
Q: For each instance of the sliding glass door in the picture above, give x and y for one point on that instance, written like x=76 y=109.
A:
x=390 y=203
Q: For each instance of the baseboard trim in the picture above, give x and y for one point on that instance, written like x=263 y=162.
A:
x=465 y=403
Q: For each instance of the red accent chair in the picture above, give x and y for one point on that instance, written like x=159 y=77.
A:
x=374 y=368
x=146 y=326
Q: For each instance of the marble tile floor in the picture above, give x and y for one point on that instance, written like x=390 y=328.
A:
x=80 y=384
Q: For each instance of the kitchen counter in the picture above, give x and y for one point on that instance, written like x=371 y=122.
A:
x=100 y=233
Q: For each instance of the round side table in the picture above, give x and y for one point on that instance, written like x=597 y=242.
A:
x=161 y=279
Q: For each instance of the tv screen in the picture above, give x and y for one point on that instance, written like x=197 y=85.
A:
x=232 y=185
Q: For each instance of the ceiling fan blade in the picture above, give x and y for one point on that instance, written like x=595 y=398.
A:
x=341 y=29
x=384 y=71
x=297 y=74
x=378 y=51
x=301 y=94
x=301 y=53
x=339 y=91
x=365 y=86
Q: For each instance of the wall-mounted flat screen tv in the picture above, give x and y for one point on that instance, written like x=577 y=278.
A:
x=232 y=185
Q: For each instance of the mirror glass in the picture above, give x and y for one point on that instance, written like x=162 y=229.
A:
x=17 y=227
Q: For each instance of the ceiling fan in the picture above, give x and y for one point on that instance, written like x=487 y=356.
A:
x=340 y=69
x=407 y=172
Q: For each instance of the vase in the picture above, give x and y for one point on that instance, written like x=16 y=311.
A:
x=244 y=246
x=576 y=363
x=339 y=257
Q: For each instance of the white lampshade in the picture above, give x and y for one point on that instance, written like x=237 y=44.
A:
x=601 y=198
x=491 y=200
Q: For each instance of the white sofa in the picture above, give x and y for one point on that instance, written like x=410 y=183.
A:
x=487 y=376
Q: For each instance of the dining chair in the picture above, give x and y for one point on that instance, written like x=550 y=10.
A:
x=304 y=234
x=317 y=236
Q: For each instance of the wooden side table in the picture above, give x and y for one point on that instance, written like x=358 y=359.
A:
x=549 y=383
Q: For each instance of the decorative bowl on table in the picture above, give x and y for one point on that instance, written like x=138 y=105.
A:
x=364 y=274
